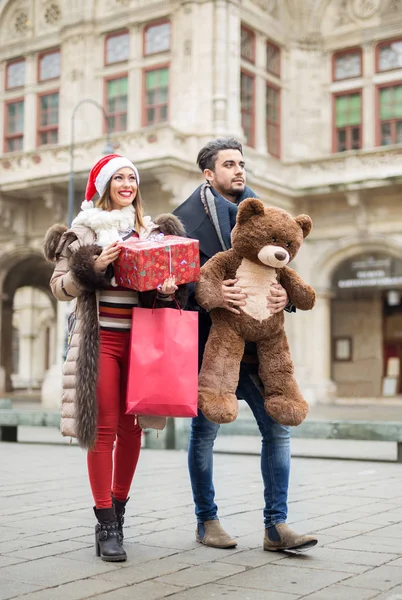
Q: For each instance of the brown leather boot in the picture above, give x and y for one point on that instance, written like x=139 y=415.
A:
x=281 y=537
x=211 y=533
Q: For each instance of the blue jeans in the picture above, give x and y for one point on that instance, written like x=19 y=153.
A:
x=275 y=458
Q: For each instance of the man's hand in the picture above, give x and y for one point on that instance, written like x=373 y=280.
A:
x=107 y=256
x=278 y=298
x=232 y=296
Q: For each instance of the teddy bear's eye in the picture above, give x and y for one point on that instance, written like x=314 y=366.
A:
x=274 y=240
x=288 y=244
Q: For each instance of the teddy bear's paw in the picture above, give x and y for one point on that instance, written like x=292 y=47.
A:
x=216 y=407
x=285 y=411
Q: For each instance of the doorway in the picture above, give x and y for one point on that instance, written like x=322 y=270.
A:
x=392 y=339
x=366 y=326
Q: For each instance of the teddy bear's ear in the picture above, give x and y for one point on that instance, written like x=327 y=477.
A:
x=305 y=223
x=248 y=208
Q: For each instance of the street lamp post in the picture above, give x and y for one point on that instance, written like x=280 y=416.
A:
x=108 y=150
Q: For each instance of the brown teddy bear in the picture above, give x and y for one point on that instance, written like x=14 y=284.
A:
x=264 y=241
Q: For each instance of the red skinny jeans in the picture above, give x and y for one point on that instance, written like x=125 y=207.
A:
x=112 y=471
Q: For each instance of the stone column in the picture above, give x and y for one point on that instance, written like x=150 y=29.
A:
x=80 y=58
x=3 y=105
x=52 y=383
x=6 y=357
x=233 y=70
x=135 y=82
x=368 y=97
x=185 y=101
x=207 y=42
x=320 y=388
x=260 y=95
x=30 y=103
x=220 y=63
x=226 y=68
x=309 y=115
x=192 y=51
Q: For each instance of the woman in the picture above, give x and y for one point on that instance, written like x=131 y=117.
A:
x=96 y=367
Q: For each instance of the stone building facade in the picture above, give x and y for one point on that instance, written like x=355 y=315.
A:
x=312 y=88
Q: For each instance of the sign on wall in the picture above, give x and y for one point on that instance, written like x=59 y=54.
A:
x=374 y=270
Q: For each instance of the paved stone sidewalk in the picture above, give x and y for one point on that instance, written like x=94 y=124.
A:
x=46 y=531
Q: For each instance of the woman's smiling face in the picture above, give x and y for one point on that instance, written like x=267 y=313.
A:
x=123 y=188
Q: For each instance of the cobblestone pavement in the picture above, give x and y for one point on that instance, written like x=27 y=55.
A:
x=46 y=533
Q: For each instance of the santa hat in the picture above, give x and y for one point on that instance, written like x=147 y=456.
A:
x=101 y=173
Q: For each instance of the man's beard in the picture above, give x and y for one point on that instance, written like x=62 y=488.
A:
x=235 y=193
x=231 y=194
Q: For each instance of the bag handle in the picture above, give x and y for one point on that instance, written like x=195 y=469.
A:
x=174 y=300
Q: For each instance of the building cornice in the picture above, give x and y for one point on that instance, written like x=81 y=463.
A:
x=164 y=146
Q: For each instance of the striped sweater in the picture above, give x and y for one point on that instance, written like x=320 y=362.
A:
x=115 y=308
x=116 y=303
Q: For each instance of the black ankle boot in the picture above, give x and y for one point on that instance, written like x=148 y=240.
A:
x=107 y=538
x=120 y=509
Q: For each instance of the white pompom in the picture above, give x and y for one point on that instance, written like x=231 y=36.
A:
x=87 y=204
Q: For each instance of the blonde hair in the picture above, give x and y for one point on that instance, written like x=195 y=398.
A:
x=105 y=203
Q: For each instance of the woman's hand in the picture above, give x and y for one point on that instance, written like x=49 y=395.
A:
x=168 y=287
x=107 y=256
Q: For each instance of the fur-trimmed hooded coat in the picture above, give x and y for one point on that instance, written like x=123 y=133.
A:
x=75 y=279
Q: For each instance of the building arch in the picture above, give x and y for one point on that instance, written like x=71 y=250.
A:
x=5 y=7
x=21 y=264
x=22 y=267
x=15 y=20
x=317 y=14
x=361 y=279
x=307 y=14
x=347 y=248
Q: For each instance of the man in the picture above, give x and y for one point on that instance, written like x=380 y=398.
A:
x=209 y=215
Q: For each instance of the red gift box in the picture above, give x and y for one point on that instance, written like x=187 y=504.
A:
x=144 y=264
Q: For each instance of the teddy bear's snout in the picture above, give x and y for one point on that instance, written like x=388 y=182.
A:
x=274 y=256
x=280 y=255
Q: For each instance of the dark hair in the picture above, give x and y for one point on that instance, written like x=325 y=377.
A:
x=206 y=158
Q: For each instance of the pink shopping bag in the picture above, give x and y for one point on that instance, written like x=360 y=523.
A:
x=163 y=375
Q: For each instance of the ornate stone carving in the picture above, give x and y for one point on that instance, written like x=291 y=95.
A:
x=7 y=210
x=364 y=9
x=270 y=6
x=21 y=23
x=393 y=7
x=355 y=201
x=175 y=184
x=351 y=12
x=52 y=13
x=55 y=203
x=331 y=171
x=76 y=75
x=342 y=17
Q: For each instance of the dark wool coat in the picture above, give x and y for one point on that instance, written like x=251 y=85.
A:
x=198 y=226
